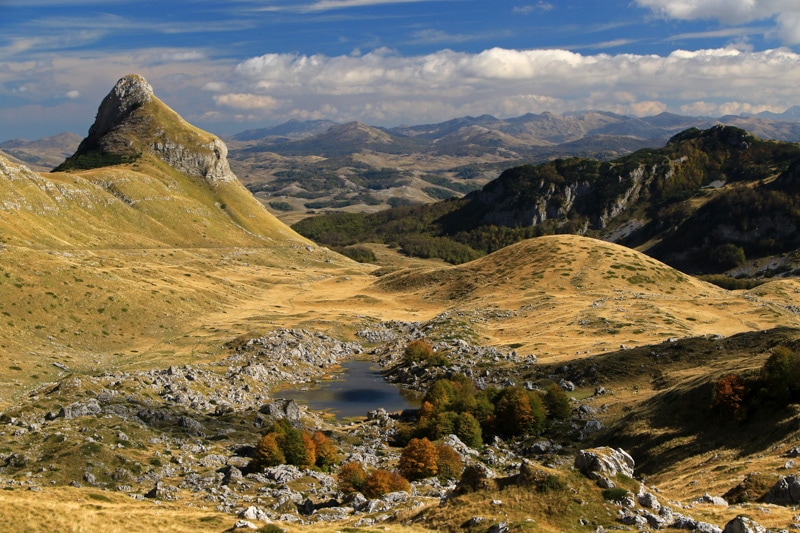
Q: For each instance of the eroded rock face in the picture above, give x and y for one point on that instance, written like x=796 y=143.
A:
x=211 y=165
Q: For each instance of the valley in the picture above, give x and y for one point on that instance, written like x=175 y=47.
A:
x=153 y=311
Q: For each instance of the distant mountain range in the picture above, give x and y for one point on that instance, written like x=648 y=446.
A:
x=300 y=167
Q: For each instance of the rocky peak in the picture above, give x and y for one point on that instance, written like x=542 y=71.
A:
x=130 y=93
x=132 y=121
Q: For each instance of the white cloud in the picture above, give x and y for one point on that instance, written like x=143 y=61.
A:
x=786 y=13
x=73 y=94
x=246 y=101
x=384 y=88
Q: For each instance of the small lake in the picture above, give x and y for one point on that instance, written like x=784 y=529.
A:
x=355 y=391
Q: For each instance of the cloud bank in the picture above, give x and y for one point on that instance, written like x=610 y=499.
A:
x=384 y=88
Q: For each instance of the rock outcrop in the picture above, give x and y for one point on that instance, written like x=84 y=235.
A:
x=131 y=121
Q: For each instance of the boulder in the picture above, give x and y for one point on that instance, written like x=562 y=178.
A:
x=78 y=409
x=742 y=524
x=604 y=462
x=785 y=492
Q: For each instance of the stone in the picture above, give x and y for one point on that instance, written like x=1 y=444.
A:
x=74 y=410
x=648 y=500
x=244 y=524
x=254 y=513
x=713 y=500
x=785 y=492
x=743 y=524
x=604 y=462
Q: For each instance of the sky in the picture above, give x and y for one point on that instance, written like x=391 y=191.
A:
x=229 y=66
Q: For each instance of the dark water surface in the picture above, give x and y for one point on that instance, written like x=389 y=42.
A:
x=360 y=388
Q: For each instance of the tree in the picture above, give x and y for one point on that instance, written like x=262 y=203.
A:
x=419 y=459
x=729 y=393
x=327 y=454
x=780 y=375
x=518 y=412
x=381 y=482
x=418 y=351
x=468 y=429
x=351 y=478
x=557 y=402
x=449 y=463
x=268 y=452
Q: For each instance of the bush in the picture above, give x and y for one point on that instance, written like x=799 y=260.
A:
x=418 y=351
x=381 y=482
x=729 y=394
x=419 y=459
x=268 y=452
x=617 y=494
x=449 y=464
x=351 y=478
x=551 y=483
x=360 y=254
x=557 y=402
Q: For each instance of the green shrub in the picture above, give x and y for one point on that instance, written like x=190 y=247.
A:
x=617 y=494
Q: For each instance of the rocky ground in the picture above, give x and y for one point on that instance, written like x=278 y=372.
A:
x=187 y=434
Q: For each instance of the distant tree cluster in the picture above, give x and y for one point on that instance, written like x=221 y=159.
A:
x=285 y=444
x=455 y=406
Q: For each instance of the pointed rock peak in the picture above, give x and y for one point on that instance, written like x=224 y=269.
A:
x=129 y=94
x=132 y=121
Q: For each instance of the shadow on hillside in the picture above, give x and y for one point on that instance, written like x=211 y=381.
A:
x=679 y=423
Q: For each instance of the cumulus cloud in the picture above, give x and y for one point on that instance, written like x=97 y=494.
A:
x=786 y=13
x=382 y=87
x=73 y=94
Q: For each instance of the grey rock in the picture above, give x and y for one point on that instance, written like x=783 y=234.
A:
x=785 y=492
x=712 y=500
x=605 y=462
x=74 y=410
x=648 y=500
x=743 y=524
x=244 y=524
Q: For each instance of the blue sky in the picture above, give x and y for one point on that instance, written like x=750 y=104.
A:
x=230 y=66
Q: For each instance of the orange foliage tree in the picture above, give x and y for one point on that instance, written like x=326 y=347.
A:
x=381 y=482
x=729 y=394
x=419 y=459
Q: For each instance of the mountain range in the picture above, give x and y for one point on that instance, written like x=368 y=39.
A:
x=300 y=167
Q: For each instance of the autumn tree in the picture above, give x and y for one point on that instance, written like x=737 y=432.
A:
x=381 y=482
x=351 y=478
x=419 y=459
x=268 y=452
x=327 y=454
x=518 y=412
x=729 y=393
